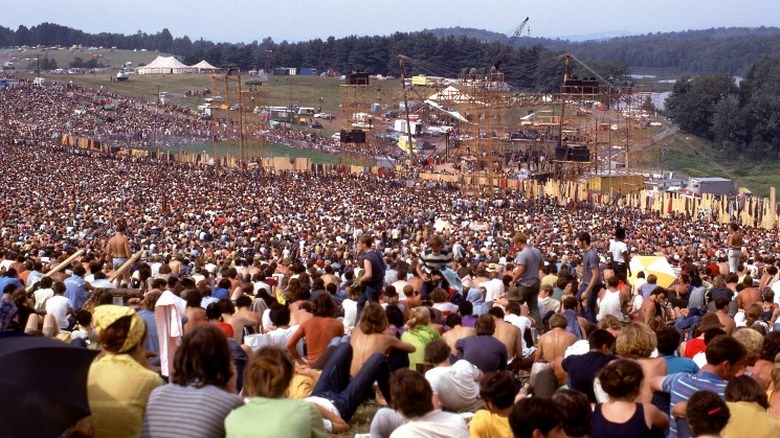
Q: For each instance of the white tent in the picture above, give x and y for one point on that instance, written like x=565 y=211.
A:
x=204 y=67
x=164 y=65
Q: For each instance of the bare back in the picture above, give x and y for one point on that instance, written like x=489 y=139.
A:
x=455 y=333
x=119 y=246
x=509 y=335
x=554 y=343
x=363 y=346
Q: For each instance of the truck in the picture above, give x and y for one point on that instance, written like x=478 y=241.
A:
x=715 y=186
x=400 y=126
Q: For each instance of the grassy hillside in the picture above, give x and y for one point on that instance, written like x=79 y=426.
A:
x=693 y=156
x=64 y=56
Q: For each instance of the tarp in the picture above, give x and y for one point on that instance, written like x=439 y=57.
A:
x=164 y=65
x=453 y=114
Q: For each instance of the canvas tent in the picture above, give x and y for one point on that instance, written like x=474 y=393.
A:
x=164 y=65
x=204 y=67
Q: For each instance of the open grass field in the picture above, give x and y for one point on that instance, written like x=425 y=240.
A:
x=64 y=56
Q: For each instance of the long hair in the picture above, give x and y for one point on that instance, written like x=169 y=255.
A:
x=203 y=358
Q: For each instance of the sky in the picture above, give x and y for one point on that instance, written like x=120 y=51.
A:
x=236 y=21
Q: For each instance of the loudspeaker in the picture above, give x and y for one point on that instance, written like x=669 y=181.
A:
x=581 y=154
x=358 y=136
x=345 y=136
x=561 y=153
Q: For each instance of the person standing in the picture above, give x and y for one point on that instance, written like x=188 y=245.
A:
x=734 y=244
x=373 y=278
x=118 y=250
x=526 y=275
x=591 y=276
x=620 y=256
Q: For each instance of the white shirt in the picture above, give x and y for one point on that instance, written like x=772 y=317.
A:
x=41 y=297
x=617 y=248
x=521 y=322
x=494 y=288
x=350 y=314
x=610 y=305
x=58 y=306
x=434 y=424
x=456 y=386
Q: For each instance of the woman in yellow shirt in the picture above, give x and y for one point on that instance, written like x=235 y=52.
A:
x=748 y=406
x=120 y=381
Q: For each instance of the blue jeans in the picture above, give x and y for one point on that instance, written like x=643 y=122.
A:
x=531 y=296
x=345 y=393
x=589 y=310
x=370 y=294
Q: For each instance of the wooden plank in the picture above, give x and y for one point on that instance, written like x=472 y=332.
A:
x=58 y=268
x=125 y=266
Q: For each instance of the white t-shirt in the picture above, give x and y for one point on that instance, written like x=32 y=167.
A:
x=617 y=248
x=456 y=386
x=493 y=289
x=434 y=424
x=521 y=322
x=350 y=314
x=58 y=306
x=41 y=297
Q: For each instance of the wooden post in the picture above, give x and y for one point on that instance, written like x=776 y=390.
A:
x=124 y=266
x=58 y=268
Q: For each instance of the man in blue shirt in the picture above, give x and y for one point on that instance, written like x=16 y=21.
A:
x=76 y=288
x=10 y=277
x=591 y=276
x=668 y=342
x=725 y=359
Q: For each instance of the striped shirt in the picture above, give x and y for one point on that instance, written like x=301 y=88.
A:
x=682 y=386
x=177 y=411
x=436 y=262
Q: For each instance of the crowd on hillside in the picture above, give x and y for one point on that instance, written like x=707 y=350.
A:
x=43 y=113
x=283 y=301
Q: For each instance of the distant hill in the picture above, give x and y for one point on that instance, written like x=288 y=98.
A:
x=487 y=36
x=716 y=50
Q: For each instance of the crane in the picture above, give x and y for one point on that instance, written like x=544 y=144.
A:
x=509 y=45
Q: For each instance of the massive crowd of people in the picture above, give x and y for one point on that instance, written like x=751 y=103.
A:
x=312 y=293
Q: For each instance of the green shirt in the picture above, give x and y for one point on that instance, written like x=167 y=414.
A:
x=282 y=417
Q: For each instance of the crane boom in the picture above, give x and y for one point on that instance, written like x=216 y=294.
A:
x=509 y=44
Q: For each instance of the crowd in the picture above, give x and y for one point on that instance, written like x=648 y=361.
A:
x=283 y=301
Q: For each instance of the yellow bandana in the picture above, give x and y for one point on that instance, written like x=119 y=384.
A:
x=105 y=315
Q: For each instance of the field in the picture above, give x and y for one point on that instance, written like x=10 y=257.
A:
x=693 y=156
x=64 y=56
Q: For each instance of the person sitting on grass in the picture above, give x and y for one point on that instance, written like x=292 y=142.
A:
x=497 y=390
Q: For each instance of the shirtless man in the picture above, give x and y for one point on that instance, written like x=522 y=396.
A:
x=118 y=250
x=330 y=277
x=370 y=336
x=508 y=334
x=195 y=314
x=653 y=306
x=554 y=343
x=734 y=244
x=722 y=312
x=456 y=331
x=748 y=295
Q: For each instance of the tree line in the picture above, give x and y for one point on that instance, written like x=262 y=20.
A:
x=533 y=64
x=742 y=119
